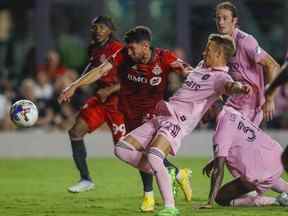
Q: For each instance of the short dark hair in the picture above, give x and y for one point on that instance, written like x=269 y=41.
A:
x=225 y=42
x=138 y=34
x=228 y=6
x=104 y=20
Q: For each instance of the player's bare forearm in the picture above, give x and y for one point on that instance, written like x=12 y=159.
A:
x=237 y=88
x=207 y=169
x=92 y=75
x=216 y=179
x=279 y=80
x=181 y=68
x=271 y=69
x=112 y=89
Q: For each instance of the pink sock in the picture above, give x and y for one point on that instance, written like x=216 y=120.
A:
x=253 y=201
x=127 y=153
x=280 y=186
x=155 y=157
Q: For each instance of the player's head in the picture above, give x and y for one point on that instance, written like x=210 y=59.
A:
x=213 y=111
x=219 y=49
x=102 y=28
x=285 y=159
x=226 y=17
x=138 y=42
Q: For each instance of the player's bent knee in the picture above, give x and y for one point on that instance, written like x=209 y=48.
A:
x=155 y=158
x=78 y=130
x=221 y=201
x=121 y=148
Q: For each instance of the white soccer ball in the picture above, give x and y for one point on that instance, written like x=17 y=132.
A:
x=24 y=113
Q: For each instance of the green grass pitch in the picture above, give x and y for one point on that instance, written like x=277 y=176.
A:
x=38 y=188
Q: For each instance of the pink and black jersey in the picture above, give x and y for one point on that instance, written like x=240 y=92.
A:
x=250 y=153
x=245 y=67
x=97 y=55
x=199 y=91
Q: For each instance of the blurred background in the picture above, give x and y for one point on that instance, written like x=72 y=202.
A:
x=43 y=45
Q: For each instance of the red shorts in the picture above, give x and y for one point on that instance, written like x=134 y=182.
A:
x=95 y=113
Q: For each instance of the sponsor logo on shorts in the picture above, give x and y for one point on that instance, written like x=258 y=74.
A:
x=173 y=129
x=118 y=129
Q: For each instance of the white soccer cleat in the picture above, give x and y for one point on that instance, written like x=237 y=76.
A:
x=83 y=185
x=282 y=199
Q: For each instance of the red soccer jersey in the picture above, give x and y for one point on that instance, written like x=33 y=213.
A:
x=142 y=85
x=97 y=55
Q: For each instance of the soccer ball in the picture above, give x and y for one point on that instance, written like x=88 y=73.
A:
x=24 y=113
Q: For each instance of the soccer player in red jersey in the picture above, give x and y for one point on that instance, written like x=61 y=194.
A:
x=143 y=72
x=101 y=108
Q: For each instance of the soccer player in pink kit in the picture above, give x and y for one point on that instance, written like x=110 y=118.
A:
x=146 y=147
x=249 y=65
x=250 y=154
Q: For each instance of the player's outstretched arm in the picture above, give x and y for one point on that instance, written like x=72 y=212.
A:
x=216 y=179
x=86 y=79
x=231 y=88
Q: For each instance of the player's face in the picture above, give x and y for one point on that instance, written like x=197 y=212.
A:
x=136 y=51
x=225 y=22
x=210 y=54
x=100 y=32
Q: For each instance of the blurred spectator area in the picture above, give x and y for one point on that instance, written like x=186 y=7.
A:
x=44 y=42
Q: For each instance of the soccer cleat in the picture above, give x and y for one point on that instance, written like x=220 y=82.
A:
x=83 y=185
x=148 y=203
x=184 y=180
x=172 y=173
x=168 y=212
x=282 y=199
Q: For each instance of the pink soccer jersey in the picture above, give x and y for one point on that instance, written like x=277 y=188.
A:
x=178 y=117
x=200 y=89
x=250 y=153
x=244 y=67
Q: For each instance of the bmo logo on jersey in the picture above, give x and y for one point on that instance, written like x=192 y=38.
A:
x=137 y=79
x=154 y=81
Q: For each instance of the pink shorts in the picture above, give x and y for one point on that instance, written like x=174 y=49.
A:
x=167 y=126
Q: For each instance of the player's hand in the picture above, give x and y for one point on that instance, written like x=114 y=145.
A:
x=206 y=206
x=207 y=169
x=66 y=94
x=247 y=89
x=268 y=109
x=103 y=94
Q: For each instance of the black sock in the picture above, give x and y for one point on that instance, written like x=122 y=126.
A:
x=147 y=180
x=169 y=164
x=79 y=157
